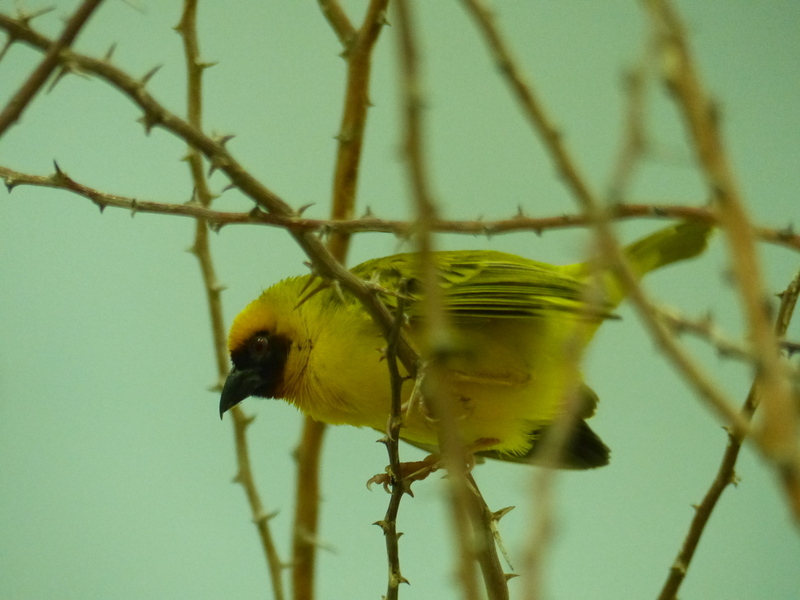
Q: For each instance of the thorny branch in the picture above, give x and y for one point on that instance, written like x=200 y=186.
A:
x=392 y=440
x=187 y=28
x=726 y=473
x=155 y=115
x=51 y=61
x=784 y=237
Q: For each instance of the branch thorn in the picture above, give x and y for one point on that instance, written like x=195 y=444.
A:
x=149 y=75
x=110 y=52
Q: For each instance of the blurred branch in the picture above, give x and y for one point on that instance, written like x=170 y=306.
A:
x=187 y=28
x=51 y=61
x=778 y=433
x=705 y=329
x=595 y=212
x=531 y=106
x=339 y=22
x=466 y=505
x=634 y=138
x=306 y=516
x=434 y=329
x=726 y=473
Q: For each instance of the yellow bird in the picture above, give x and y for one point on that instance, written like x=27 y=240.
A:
x=514 y=322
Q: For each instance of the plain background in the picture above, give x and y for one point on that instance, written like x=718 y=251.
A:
x=115 y=471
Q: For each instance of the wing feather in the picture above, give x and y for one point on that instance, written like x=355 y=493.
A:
x=485 y=284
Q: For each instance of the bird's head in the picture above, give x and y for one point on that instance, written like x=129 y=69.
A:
x=258 y=353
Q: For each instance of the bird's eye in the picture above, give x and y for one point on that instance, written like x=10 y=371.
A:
x=259 y=346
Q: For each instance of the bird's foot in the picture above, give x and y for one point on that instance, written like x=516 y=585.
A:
x=409 y=473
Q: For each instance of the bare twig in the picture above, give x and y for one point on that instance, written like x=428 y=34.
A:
x=531 y=106
x=392 y=440
x=778 y=434
x=244 y=477
x=784 y=237
x=726 y=472
x=435 y=333
x=339 y=22
x=484 y=523
x=706 y=329
x=201 y=249
x=589 y=203
x=354 y=119
x=634 y=140
x=19 y=101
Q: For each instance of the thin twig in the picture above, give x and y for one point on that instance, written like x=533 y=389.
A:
x=784 y=237
x=187 y=28
x=706 y=329
x=392 y=440
x=778 y=433
x=28 y=90
x=484 y=522
x=354 y=119
x=532 y=108
x=726 y=473
x=339 y=22
x=634 y=140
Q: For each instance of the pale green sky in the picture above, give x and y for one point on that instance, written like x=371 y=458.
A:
x=114 y=467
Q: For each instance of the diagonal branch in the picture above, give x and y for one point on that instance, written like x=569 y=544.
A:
x=596 y=214
x=325 y=265
x=726 y=473
x=20 y=101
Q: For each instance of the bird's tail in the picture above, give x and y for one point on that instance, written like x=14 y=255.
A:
x=681 y=241
x=678 y=242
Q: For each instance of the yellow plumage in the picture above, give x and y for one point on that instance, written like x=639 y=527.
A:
x=513 y=321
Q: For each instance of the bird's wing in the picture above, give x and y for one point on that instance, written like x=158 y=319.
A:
x=485 y=285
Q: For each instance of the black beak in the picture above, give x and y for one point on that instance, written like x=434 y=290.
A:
x=238 y=386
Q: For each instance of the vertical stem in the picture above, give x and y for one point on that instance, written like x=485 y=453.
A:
x=358 y=51
x=306 y=518
x=187 y=28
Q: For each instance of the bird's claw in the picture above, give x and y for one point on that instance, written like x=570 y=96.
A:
x=409 y=473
